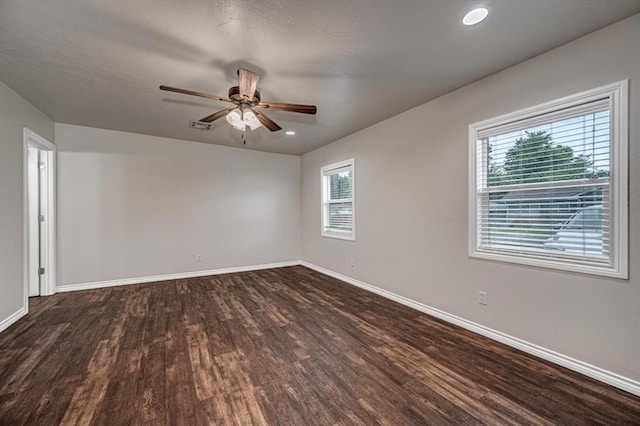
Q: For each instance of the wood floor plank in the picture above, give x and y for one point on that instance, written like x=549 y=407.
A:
x=286 y=346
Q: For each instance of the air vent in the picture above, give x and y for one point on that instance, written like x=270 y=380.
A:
x=200 y=125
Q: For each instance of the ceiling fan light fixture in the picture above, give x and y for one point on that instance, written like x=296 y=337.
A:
x=251 y=120
x=235 y=119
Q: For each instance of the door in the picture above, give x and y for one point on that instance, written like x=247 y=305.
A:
x=33 y=207
x=39 y=210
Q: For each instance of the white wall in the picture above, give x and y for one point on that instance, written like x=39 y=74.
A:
x=132 y=206
x=411 y=210
x=15 y=114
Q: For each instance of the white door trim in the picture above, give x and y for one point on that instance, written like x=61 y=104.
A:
x=48 y=151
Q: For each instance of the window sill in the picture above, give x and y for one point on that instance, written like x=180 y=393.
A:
x=348 y=237
x=606 y=271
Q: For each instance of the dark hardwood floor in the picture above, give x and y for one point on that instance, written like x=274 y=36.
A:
x=284 y=346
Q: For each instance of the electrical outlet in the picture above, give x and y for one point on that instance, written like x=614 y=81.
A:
x=352 y=262
x=482 y=297
x=198 y=258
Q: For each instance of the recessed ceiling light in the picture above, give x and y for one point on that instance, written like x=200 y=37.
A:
x=475 y=16
x=289 y=133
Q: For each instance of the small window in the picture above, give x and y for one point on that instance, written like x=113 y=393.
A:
x=548 y=185
x=338 y=194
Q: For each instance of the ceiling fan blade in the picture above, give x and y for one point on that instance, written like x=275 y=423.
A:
x=303 y=109
x=248 y=82
x=217 y=115
x=191 y=92
x=266 y=121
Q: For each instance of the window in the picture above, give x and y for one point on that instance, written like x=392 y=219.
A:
x=548 y=185
x=338 y=193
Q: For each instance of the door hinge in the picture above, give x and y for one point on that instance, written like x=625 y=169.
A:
x=40 y=271
x=41 y=218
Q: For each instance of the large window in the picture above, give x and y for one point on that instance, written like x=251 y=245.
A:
x=548 y=185
x=338 y=193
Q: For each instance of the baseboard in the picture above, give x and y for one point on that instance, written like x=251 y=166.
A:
x=7 y=322
x=181 y=275
x=605 y=376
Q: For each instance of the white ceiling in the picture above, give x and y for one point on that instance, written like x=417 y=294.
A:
x=99 y=63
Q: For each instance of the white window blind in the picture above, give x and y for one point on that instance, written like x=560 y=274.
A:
x=337 y=200
x=546 y=188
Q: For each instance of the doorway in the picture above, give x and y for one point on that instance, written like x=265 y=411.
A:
x=39 y=211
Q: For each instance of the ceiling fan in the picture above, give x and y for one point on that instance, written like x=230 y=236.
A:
x=245 y=99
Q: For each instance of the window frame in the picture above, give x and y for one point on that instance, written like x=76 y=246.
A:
x=350 y=236
x=618 y=267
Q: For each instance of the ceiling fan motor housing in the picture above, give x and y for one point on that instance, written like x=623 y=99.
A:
x=234 y=95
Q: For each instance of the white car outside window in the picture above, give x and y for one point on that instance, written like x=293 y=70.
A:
x=580 y=234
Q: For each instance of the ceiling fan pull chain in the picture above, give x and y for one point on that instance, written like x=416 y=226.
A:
x=244 y=141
